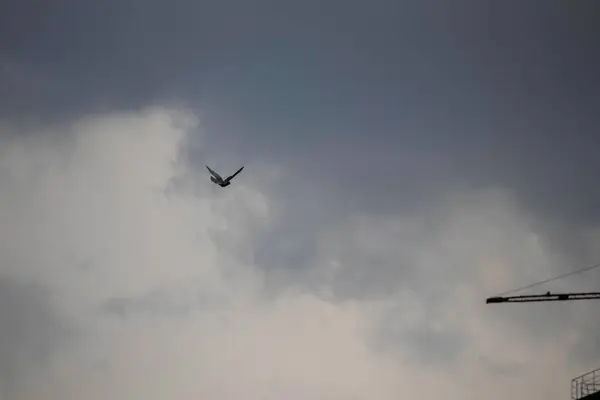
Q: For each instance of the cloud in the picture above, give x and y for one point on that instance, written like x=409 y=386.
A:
x=31 y=333
x=391 y=117
x=159 y=277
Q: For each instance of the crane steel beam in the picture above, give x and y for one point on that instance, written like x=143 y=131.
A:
x=544 y=297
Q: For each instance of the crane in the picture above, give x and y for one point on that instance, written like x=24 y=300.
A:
x=543 y=297
x=586 y=386
x=547 y=296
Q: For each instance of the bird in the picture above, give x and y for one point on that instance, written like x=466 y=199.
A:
x=216 y=178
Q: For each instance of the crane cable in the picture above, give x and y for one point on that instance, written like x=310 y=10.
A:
x=588 y=268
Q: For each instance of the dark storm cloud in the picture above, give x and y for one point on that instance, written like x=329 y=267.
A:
x=23 y=21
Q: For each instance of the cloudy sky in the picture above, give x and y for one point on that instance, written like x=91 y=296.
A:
x=404 y=161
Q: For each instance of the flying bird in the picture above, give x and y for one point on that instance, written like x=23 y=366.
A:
x=216 y=178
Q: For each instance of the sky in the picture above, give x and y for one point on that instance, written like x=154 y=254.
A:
x=404 y=160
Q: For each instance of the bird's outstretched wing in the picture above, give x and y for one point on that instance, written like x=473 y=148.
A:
x=233 y=176
x=214 y=173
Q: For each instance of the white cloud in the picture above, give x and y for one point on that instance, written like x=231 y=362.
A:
x=91 y=215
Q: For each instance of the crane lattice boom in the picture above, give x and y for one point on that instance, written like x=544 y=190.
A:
x=544 y=297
